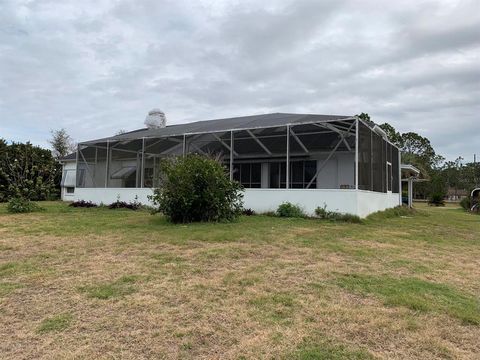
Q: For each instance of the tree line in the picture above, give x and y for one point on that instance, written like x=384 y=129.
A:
x=32 y=172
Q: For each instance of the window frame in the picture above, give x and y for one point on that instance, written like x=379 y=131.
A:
x=239 y=171
x=280 y=172
x=389 y=173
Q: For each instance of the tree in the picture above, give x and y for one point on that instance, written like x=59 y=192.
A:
x=420 y=147
x=3 y=177
x=365 y=117
x=452 y=172
x=416 y=150
x=470 y=175
x=437 y=188
x=28 y=171
x=393 y=135
x=197 y=188
x=62 y=143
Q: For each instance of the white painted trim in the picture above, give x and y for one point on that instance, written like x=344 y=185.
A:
x=287 y=164
x=356 y=153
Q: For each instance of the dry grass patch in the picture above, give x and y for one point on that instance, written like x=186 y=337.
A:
x=129 y=285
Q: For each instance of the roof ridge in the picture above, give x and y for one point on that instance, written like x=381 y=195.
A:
x=237 y=117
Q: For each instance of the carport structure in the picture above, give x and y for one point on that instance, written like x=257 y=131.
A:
x=410 y=175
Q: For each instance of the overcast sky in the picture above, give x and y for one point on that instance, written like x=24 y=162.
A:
x=95 y=67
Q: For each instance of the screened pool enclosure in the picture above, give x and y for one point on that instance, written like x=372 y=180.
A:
x=265 y=152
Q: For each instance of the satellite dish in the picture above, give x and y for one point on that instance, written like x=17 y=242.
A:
x=155 y=119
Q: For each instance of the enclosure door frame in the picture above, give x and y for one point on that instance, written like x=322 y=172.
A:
x=389 y=175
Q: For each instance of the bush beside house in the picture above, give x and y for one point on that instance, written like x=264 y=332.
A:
x=197 y=188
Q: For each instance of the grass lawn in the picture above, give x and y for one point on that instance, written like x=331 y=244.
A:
x=100 y=283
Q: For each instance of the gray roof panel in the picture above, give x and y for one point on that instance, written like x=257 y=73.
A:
x=227 y=124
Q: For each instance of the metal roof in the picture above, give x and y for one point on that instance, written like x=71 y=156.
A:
x=409 y=170
x=69 y=157
x=226 y=124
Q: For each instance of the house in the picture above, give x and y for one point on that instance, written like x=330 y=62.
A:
x=341 y=162
x=454 y=194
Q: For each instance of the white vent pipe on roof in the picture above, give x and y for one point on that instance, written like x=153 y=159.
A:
x=155 y=119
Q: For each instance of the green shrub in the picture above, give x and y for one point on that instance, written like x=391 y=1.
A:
x=248 y=212
x=197 y=188
x=124 y=205
x=323 y=213
x=438 y=190
x=436 y=199
x=132 y=205
x=290 y=210
x=28 y=171
x=19 y=205
x=466 y=203
x=83 y=204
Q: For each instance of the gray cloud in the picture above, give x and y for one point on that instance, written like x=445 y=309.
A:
x=98 y=66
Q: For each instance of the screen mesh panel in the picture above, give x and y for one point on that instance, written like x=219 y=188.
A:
x=378 y=165
x=396 y=170
x=259 y=157
x=364 y=157
x=91 y=166
x=374 y=156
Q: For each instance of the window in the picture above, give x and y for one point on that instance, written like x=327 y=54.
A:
x=70 y=190
x=148 y=177
x=277 y=175
x=124 y=172
x=68 y=178
x=301 y=173
x=131 y=180
x=249 y=174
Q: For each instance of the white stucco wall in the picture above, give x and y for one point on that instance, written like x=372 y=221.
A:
x=358 y=202
x=263 y=200
x=109 y=195
x=369 y=202
x=337 y=172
